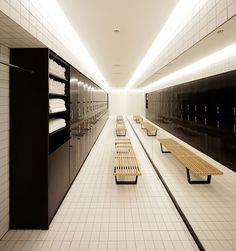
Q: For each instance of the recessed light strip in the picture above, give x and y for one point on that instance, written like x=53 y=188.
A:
x=181 y=15
x=214 y=58
x=55 y=16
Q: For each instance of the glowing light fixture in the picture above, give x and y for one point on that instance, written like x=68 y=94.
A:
x=73 y=80
x=214 y=58
x=181 y=15
x=126 y=91
x=55 y=16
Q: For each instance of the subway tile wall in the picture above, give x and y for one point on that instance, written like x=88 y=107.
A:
x=210 y=14
x=4 y=141
x=228 y=64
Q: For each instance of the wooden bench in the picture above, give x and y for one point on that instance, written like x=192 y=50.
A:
x=138 y=119
x=119 y=118
x=120 y=130
x=190 y=160
x=151 y=129
x=125 y=163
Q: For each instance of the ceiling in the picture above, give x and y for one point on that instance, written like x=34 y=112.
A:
x=117 y=54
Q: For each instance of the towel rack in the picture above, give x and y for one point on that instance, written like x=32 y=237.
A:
x=17 y=67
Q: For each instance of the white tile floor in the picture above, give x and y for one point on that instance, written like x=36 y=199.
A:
x=211 y=209
x=97 y=214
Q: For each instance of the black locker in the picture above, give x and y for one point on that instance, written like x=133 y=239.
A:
x=202 y=113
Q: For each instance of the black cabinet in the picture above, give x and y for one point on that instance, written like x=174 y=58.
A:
x=88 y=105
x=39 y=158
x=58 y=177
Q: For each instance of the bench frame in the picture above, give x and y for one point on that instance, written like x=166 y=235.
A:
x=149 y=129
x=120 y=132
x=190 y=181
x=208 y=181
x=126 y=182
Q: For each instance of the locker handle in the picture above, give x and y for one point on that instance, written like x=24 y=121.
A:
x=234 y=111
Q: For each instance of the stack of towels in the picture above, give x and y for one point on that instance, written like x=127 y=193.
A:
x=56 y=124
x=57 y=69
x=56 y=105
x=56 y=87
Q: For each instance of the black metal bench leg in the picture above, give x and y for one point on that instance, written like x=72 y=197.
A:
x=150 y=134
x=127 y=182
x=208 y=181
x=163 y=150
x=121 y=134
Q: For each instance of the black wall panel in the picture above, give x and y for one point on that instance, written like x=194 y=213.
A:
x=202 y=113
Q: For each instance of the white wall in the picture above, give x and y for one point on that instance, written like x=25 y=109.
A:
x=126 y=103
x=225 y=65
x=4 y=142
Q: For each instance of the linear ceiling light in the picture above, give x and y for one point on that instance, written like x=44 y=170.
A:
x=229 y=51
x=182 y=14
x=55 y=16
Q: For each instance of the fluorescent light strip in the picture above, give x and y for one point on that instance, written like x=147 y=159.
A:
x=196 y=66
x=126 y=91
x=182 y=14
x=55 y=16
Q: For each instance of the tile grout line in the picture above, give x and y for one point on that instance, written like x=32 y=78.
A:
x=181 y=213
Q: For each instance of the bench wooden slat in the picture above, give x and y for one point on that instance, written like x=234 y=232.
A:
x=125 y=162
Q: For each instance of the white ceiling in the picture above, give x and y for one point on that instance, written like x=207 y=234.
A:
x=117 y=55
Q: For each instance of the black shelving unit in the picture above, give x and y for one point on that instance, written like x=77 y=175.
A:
x=43 y=165
x=39 y=161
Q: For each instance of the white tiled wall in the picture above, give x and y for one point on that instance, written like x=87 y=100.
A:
x=4 y=142
x=210 y=15
x=228 y=64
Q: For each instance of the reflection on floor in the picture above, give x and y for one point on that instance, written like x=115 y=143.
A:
x=97 y=214
x=210 y=209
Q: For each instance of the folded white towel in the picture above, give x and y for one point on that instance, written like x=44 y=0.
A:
x=57 y=127
x=55 y=124
x=56 y=69
x=56 y=101
x=57 y=109
x=54 y=121
x=56 y=87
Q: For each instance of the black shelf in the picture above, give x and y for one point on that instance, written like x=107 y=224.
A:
x=56 y=77
x=56 y=113
x=54 y=95
x=58 y=130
